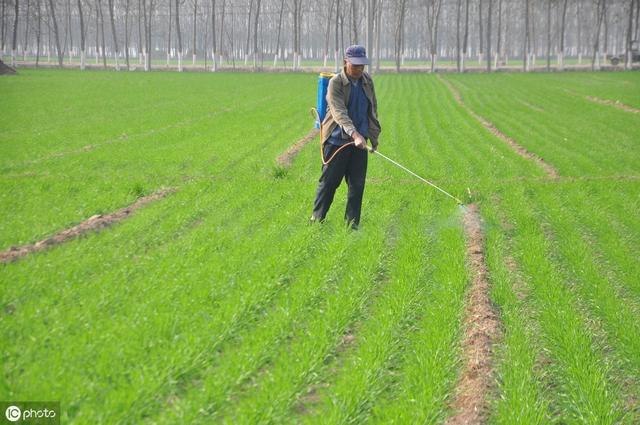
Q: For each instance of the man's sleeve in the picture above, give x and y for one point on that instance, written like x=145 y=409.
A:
x=337 y=106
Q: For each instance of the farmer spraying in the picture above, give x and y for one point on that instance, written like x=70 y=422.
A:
x=351 y=120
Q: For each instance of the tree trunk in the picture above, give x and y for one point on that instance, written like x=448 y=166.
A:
x=337 y=46
x=498 y=52
x=56 y=34
x=370 y=12
x=2 y=28
x=115 y=38
x=221 y=47
x=213 y=35
x=465 y=39
x=104 y=50
x=327 y=33
x=354 y=23
x=26 y=32
x=595 y=59
x=525 y=47
x=179 y=34
x=38 y=32
x=246 y=48
x=148 y=56
x=82 y=34
x=255 y=36
x=458 y=44
x=277 y=54
x=480 y=33
x=169 y=26
x=628 y=57
x=378 y=31
x=70 y=30
x=399 y=33
x=195 y=18
x=488 y=47
x=126 y=33
x=15 y=35
x=579 y=37
x=433 y=14
x=562 y=32
x=548 y=35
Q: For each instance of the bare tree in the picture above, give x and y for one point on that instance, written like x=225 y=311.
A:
x=104 y=49
x=600 y=12
x=399 y=33
x=26 y=32
x=246 y=48
x=628 y=53
x=297 y=25
x=126 y=32
x=327 y=32
x=213 y=34
x=52 y=13
x=255 y=35
x=195 y=19
x=562 y=34
x=15 y=35
x=277 y=55
x=38 y=31
x=169 y=25
x=354 y=23
x=337 y=46
x=525 y=48
x=433 y=14
x=549 y=35
x=498 y=53
x=488 y=47
x=221 y=51
x=458 y=44
x=2 y=29
x=465 y=39
x=115 y=37
x=82 y=36
x=179 y=34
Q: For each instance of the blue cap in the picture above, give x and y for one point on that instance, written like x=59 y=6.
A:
x=356 y=54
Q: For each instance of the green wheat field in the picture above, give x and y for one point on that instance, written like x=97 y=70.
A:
x=219 y=303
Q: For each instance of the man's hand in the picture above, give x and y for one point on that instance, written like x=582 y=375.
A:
x=359 y=141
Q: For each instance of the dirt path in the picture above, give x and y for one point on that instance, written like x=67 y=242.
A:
x=520 y=150
x=286 y=158
x=481 y=330
x=613 y=103
x=95 y=222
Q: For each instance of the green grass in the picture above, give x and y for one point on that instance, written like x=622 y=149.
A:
x=220 y=303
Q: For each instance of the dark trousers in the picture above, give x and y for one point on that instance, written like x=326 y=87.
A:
x=350 y=163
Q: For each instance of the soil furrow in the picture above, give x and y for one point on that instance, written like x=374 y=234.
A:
x=614 y=103
x=285 y=159
x=481 y=330
x=520 y=150
x=93 y=223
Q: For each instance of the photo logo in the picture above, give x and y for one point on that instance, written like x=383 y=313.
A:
x=30 y=412
x=12 y=413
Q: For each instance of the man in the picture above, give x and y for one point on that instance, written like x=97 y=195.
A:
x=352 y=118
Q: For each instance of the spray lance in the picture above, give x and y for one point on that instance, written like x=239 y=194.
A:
x=319 y=114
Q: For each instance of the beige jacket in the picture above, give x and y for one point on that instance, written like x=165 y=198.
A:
x=338 y=94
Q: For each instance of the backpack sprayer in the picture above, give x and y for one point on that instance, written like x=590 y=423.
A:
x=319 y=114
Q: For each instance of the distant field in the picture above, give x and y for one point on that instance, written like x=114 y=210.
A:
x=220 y=303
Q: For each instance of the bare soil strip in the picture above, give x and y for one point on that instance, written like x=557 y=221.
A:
x=614 y=103
x=286 y=158
x=93 y=223
x=482 y=329
x=549 y=169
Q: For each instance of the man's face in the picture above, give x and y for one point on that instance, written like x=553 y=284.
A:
x=354 y=71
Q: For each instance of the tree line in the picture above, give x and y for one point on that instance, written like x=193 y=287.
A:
x=281 y=33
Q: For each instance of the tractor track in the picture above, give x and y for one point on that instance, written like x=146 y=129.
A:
x=93 y=223
x=519 y=149
x=481 y=330
x=286 y=158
